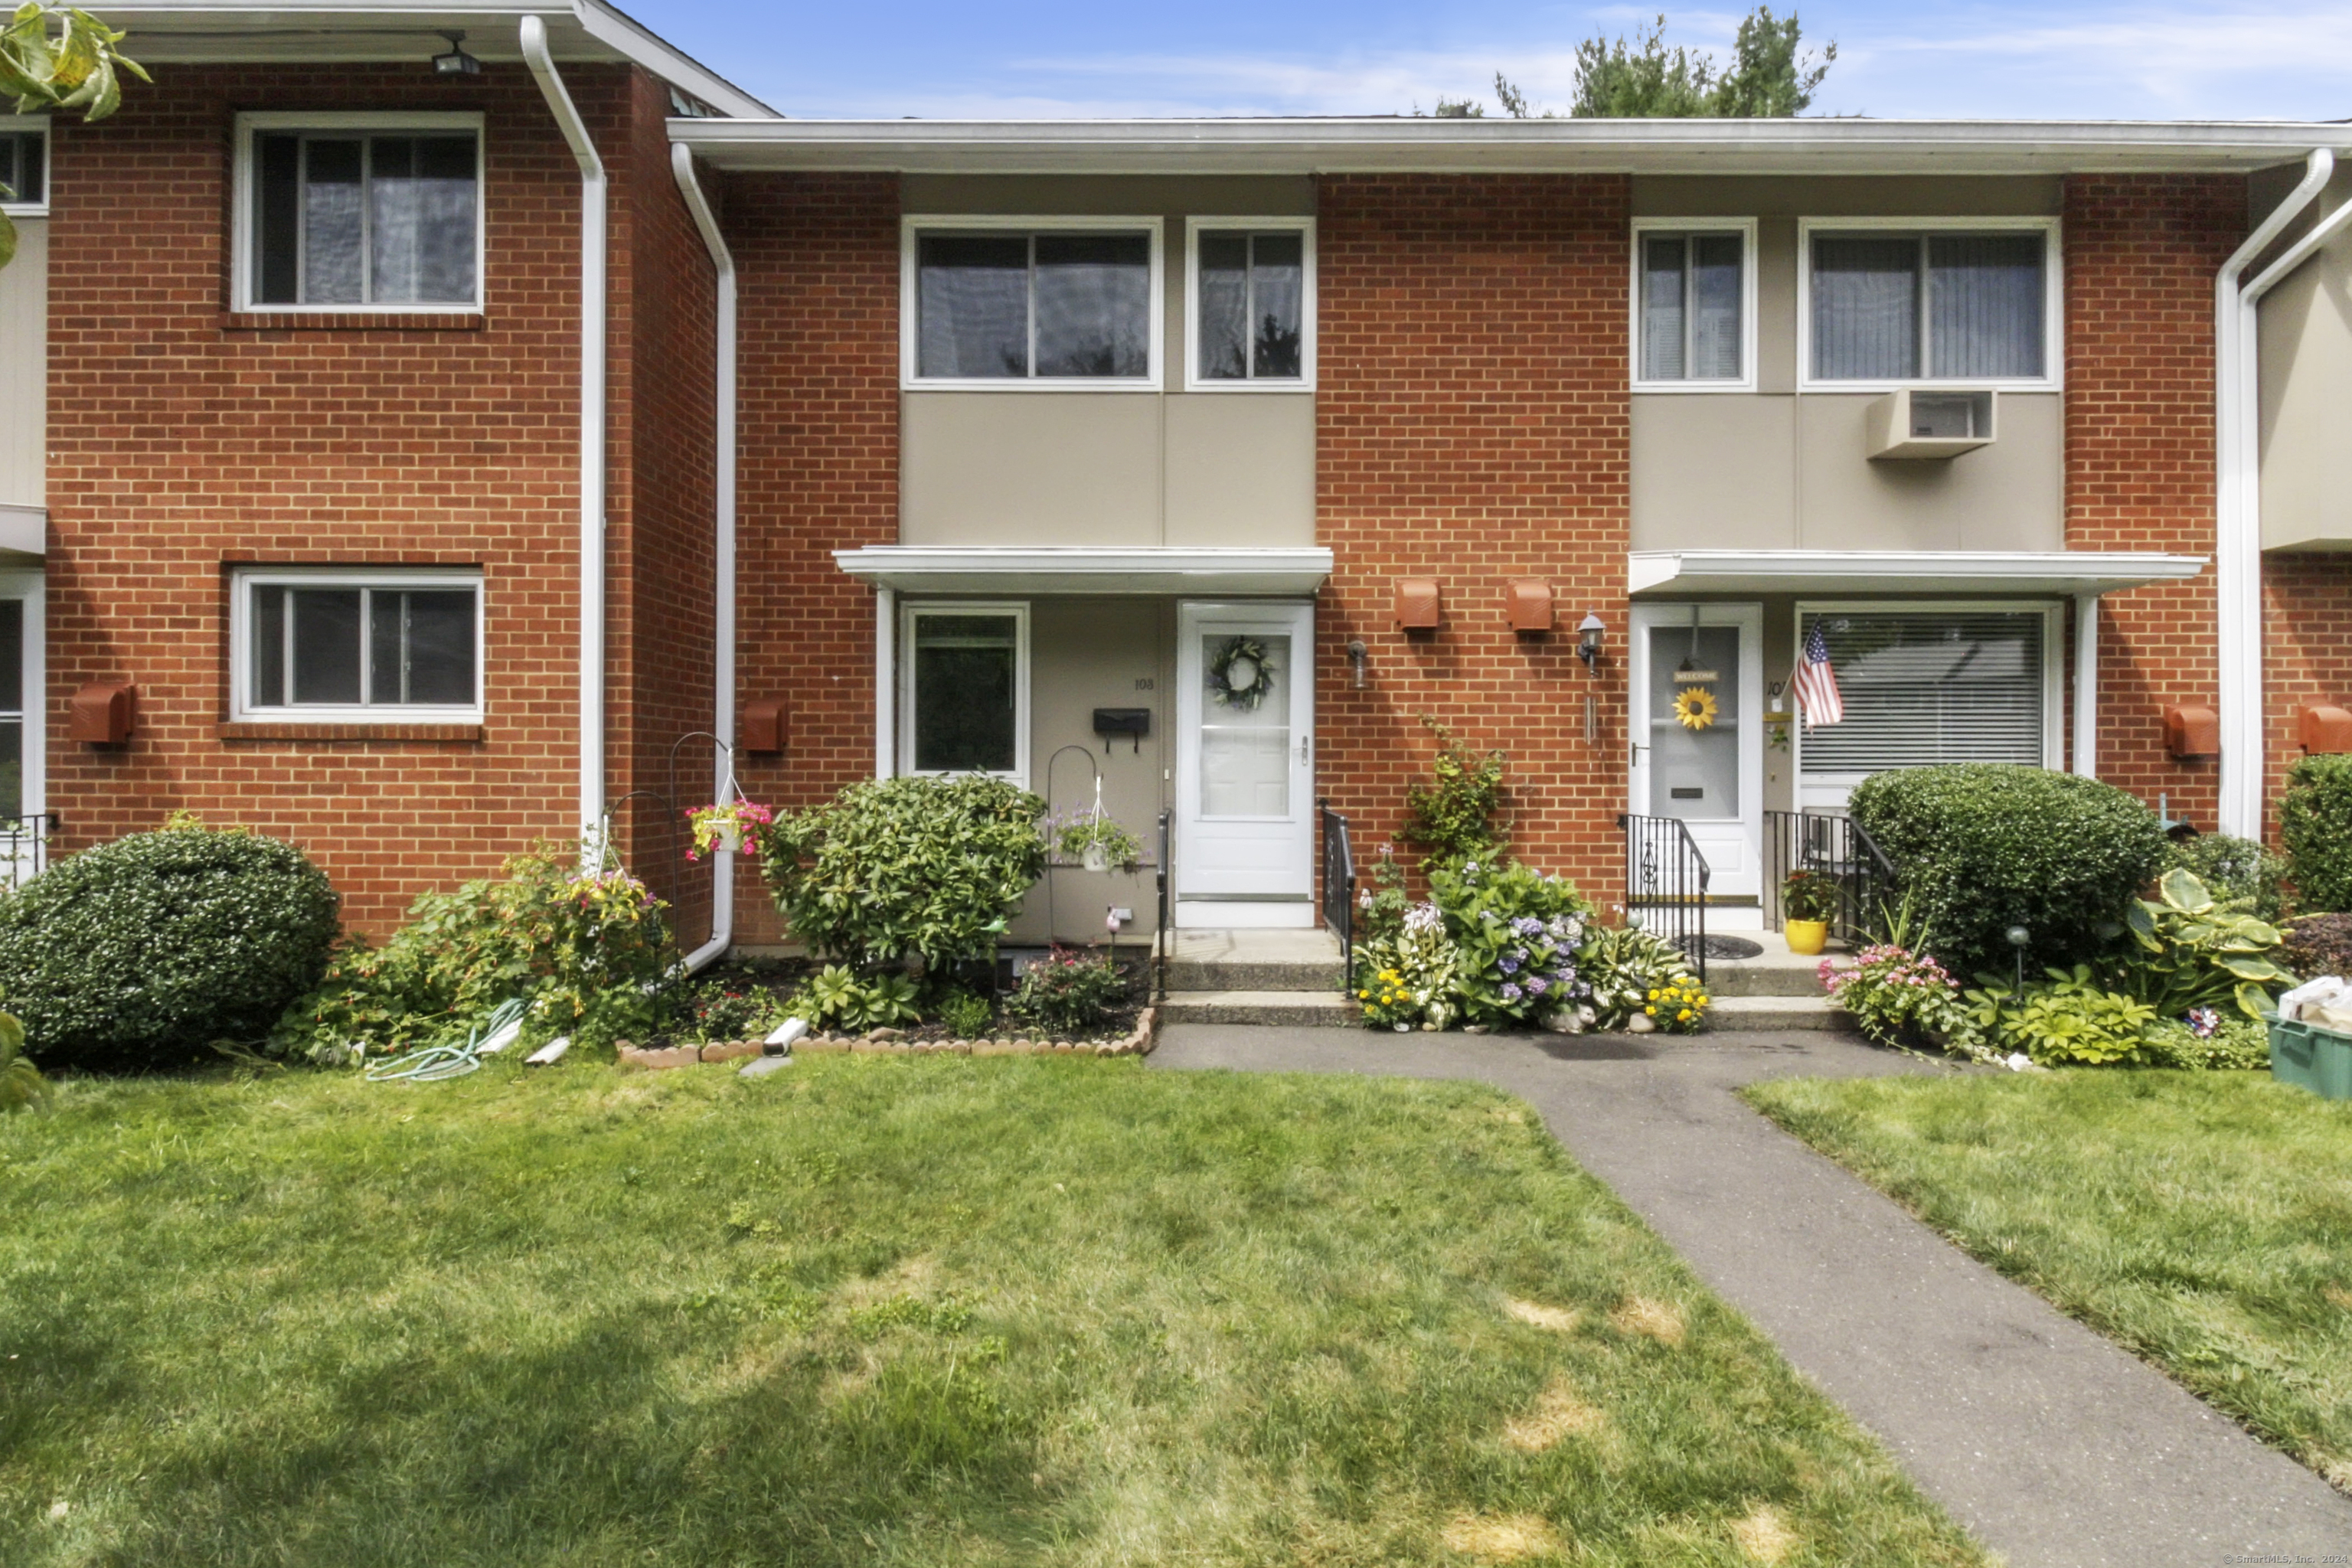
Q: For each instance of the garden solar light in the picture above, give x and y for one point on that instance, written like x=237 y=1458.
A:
x=2017 y=937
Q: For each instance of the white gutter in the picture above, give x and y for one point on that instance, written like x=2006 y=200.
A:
x=2237 y=509
x=591 y=424
x=722 y=629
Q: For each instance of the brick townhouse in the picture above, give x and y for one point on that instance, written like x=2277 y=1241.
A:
x=442 y=437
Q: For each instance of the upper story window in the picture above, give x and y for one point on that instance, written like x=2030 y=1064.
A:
x=1949 y=302
x=381 y=646
x=1694 y=304
x=360 y=211
x=1011 y=302
x=1251 y=304
x=25 y=170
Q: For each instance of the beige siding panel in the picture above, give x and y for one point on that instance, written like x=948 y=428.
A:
x=1848 y=196
x=1714 y=471
x=2007 y=496
x=1241 y=468
x=1086 y=654
x=2307 y=386
x=1776 y=304
x=25 y=368
x=1123 y=196
x=1029 y=468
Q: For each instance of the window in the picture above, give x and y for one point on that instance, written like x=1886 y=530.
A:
x=1922 y=687
x=350 y=214
x=375 y=646
x=1693 y=305
x=25 y=168
x=1940 y=304
x=965 y=696
x=1251 y=304
x=1021 y=303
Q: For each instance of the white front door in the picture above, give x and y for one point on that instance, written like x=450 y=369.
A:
x=1245 y=764
x=1704 y=767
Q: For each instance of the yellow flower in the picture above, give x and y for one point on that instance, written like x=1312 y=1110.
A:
x=1684 y=1015
x=1363 y=995
x=1652 y=1012
x=1694 y=707
x=1653 y=996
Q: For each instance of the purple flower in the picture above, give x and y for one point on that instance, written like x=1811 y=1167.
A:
x=1527 y=925
x=1510 y=992
x=1538 y=986
x=1508 y=965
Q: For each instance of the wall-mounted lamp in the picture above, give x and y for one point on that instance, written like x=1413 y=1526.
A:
x=1588 y=638
x=457 y=62
x=1358 y=659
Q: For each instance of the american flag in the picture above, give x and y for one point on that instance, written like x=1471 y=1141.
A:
x=1817 y=686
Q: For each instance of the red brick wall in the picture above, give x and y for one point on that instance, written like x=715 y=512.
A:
x=817 y=268
x=2306 y=654
x=1472 y=427
x=2141 y=253
x=179 y=442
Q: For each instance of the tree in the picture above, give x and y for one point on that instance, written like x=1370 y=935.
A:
x=1767 y=77
x=56 y=56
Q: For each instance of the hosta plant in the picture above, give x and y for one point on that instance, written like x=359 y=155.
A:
x=1410 y=977
x=835 y=998
x=1621 y=965
x=2193 y=952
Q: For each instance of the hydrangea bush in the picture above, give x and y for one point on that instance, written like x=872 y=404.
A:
x=1516 y=933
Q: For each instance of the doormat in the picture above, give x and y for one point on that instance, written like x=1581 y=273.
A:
x=1722 y=946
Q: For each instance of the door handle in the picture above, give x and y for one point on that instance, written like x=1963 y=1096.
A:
x=1305 y=743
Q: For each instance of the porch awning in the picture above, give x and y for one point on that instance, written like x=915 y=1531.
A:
x=1083 y=569
x=2067 y=572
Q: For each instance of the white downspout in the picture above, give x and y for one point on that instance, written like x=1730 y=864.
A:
x=2086 y=684
x=591 y=425
x=722 y=632
x=2237 y=514
x=886 y=683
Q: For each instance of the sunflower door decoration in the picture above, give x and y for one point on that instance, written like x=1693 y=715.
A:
x=1696 y=708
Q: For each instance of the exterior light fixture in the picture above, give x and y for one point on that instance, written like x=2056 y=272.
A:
x=1588 y=638
x=457 y=62
x=1358 y=657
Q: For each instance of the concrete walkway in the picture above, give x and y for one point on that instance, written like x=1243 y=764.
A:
x=2051 y=1444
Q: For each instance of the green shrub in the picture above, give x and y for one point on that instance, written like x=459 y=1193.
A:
x=1068 y=994
x=141 y=952
x=966 y=1014
x=717 y=1011
x=1899 y=997
x=2318 y=945
x=1451 y=818
x=2068 y=1022
x=2193 y=952
x=1515 y=933
x=21 y=1083
x=1982 y=847
x=836 y=999
x=2234 y=1044
x=2316 y=825
x=2242 y=874
x=908 y=867
x=585 y=952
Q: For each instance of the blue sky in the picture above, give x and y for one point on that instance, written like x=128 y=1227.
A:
x=1057 y=59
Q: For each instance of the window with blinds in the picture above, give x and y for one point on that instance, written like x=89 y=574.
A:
x=1926 y=686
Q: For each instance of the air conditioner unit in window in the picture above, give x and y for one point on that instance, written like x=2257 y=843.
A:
x=1923 y=422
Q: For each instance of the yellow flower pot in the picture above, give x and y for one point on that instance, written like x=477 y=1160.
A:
x=1806 y=937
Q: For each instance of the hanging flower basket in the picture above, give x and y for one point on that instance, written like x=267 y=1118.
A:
x=728 y=827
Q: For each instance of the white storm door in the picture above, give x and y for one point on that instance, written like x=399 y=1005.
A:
x=1245 y=764
x=1712 y=776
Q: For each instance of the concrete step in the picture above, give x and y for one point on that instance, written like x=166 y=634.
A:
x=1219 y=960
x=1736 y=1011
x=1261 y=1006
x=1771 y=975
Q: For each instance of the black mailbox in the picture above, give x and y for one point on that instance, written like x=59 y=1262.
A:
x=1134 y=722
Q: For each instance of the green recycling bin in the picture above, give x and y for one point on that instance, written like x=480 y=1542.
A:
x=2317 y=1058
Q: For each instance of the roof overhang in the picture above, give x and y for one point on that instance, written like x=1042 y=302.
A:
x=1655 y=571
x=25 y=530
x=927 y=569
x=176 y=32
x=1394 y=144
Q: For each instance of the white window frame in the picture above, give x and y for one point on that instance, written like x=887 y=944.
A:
x=245 y=580
x=1193 y=228
x=36 y=124
x=33 y=773
x=2053 y=631
x=908 y=615
x=1746 y=228
x=2053 y=300
x=242 y=269
x=911 y=228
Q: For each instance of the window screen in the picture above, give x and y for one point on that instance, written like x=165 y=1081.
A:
x=1064 y=306
x=23 y=166
x=344 y=645
x=1928 y=687
x=1252 y=298
x=1954 y=307
x=1692 y=299
x=966 y=717
x=364 y=219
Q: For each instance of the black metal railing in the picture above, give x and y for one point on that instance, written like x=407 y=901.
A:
x=1339 y=887
x=1162 y=937
x=1666 y=883
x=25 y=846
x=1835 y=849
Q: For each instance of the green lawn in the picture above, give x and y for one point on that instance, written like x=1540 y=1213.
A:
x=936 y=1311
x=2202 y=1219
